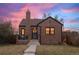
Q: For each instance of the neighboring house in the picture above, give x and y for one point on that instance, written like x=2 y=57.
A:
x=46 y=31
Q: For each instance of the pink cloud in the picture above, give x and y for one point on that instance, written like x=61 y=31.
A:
x=70 y=10
x=70 y=29
x=2 y=10
x=66 y=29
x=36 y=12
x=74 y=21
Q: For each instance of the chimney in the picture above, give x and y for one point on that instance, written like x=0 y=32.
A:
x=28 y=14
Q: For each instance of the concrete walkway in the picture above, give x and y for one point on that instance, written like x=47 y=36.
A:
x=32 y=47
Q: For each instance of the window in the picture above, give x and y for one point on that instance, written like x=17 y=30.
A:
x=47 y=30
x=50 y=30
x=22 y=31
x=34 y=30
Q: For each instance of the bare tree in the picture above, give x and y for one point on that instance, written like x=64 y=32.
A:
x=44 y=15
x=62 y=21
x=56 y=17
x=6 y=33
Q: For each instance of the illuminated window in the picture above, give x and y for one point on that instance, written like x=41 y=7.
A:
x=47 y=30
x=51 y=30
x=22 y=31
x=34 y=30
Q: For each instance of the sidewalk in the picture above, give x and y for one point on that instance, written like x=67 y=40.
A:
x=32 y=47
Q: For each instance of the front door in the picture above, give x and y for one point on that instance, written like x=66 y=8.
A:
x=34 y=33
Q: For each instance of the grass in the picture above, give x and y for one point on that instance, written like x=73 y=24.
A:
x=12 y=49
x=57 y=50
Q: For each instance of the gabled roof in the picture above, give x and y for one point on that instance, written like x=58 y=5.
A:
x=47 y=19
x=36 y=22
x=23 y=22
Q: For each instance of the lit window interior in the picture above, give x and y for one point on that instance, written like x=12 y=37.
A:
x=34 y=30
x=47 y=30
x=51 y=30
x=22 y=31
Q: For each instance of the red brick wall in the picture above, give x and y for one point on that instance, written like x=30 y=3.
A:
x=51 y=39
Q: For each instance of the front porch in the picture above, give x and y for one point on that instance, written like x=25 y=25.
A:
x=34 y=34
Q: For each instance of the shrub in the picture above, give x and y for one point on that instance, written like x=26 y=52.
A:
x=6 y=33
x=24 y=37
x=11 y=39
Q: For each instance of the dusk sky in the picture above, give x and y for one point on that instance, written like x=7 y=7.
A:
x=16 y=12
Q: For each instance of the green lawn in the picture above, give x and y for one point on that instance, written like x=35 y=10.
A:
x=12 y=49
x=57 y=50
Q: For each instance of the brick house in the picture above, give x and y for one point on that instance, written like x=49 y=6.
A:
x=46 y=31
